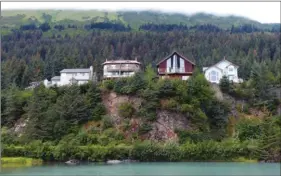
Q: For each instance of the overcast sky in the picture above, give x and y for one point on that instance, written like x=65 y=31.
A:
x=265 y=12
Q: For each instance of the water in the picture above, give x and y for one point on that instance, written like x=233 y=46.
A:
x=148 y=169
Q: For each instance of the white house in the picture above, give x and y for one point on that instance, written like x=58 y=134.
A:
x=71 y=76
x=215 y=72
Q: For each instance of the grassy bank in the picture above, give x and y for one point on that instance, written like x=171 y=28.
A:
x=245 y=160
x=144 y=151
x=19 y=162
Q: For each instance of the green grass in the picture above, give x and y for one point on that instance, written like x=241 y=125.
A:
x=245 y=160
x=58 y=15
x=19 y=162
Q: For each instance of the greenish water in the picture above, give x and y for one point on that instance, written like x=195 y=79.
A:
x=143 y=169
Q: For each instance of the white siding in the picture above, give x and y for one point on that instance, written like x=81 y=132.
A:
x=182 y=68
x=228 y=69
x=208 y=74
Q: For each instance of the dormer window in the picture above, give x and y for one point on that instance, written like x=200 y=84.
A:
x=230 y=69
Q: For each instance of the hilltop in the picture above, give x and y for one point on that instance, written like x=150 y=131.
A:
x=132 y=18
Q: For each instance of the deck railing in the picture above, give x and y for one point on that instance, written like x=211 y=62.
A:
x=172 y=70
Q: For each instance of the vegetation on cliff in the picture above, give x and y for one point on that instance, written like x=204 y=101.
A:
x=76 y=122
x=55 y=123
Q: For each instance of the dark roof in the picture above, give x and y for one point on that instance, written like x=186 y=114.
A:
x=76 y=70
x=175 y=52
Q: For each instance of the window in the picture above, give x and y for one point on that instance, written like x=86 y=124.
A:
x=230 y=69
x=214 y=76
x=83 y=74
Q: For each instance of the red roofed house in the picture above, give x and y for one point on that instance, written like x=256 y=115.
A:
x=175 y=65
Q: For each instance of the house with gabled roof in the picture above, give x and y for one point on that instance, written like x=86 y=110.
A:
x=224 y=67
x=175 y=65
x=72 y=76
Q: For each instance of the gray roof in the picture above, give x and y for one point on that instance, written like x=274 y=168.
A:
x=121 y=62
x=56 y=78
x=77 y=70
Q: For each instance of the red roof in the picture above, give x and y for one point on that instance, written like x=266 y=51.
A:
x=175 y=52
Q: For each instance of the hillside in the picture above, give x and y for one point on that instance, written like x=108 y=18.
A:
x=139 y=117
x=132 y=18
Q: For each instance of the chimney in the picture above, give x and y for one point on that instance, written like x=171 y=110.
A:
x=224 y=58
x=136 y=59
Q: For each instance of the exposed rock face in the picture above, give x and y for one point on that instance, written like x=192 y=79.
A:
x=112 y=101
x=163 y=128
x=166 y=124
x=20 y=126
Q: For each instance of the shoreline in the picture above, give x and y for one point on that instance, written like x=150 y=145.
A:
x=25 y=161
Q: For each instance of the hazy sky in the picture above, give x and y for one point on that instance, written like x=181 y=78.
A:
x=265 y=12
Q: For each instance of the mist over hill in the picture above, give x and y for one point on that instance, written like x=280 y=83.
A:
x=13 y=18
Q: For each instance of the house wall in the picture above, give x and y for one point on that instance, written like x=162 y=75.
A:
x=120 y=70
x=208 y=74
x=179 y=65
x=65 y=77
x=175 y=76
x=225 y=66
x=55 y=82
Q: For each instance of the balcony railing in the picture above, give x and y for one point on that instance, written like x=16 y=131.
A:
x=109 y=69
x=117 y=76
x=172 y=70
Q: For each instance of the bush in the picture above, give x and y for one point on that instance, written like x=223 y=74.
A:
x=107 y=122
x=108 y=84
x=98 y=111
x=224 y=84
x=145 y=128
x=120 y=86
x=126 y=110
x=169 y=104
x=248 y=129
x=191 y=136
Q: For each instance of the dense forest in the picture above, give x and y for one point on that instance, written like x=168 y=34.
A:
x=30 y=56
x=40 y=48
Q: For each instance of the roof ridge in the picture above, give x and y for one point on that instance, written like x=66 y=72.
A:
x=180 y=54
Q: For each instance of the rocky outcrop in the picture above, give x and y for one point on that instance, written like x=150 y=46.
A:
x=112 y=101
x=163 y=128
x=167 y=122
x=19 y=126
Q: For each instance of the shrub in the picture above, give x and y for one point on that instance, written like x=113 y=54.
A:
x=126 y=110
x=186 y=108
x=224 y=84
x=165 y=88
x=108 y=84
x=248 y=129
x=107 y=122
x=145 y=128
x=169 y=104
x=191 y=136
x=98 y=111
x=119 y=86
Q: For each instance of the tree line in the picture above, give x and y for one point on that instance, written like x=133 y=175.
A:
x=32 y=56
